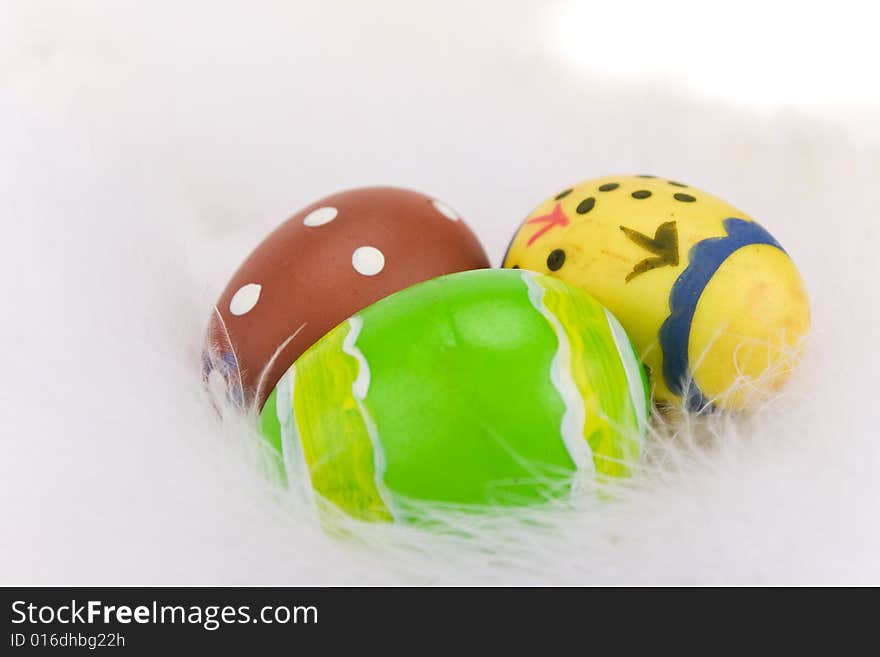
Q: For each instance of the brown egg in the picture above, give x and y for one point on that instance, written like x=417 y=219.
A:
x=322 y=265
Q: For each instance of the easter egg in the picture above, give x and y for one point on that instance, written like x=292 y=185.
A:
x=482 y=388
x=326 y=262
x=712 y=302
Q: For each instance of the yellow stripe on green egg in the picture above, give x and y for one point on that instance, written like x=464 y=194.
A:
x=338 y=450
x=616 y=412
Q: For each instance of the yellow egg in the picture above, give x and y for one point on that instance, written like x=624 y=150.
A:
x=712 y=302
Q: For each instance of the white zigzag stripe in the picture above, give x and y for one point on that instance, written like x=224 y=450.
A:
x=359 y=389
x=632 y=369
x=572 y=428
x=293 y=457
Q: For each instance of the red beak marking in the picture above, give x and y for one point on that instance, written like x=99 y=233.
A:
x=555 y=218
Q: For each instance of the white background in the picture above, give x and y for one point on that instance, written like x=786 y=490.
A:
x=146 y=147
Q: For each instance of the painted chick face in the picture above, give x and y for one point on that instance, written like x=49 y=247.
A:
x=322 y=265
x=710 y=299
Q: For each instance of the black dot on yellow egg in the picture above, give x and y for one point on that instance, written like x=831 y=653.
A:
x=640 y=194
x=562 y=195
x=677 y=184
x=608 y=187
x=684 y=198
x=515 y=267
x=556 y=259
x=586 y=205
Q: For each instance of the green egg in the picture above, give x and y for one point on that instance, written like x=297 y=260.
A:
x=488 y=388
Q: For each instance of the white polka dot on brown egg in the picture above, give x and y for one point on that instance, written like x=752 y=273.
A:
x=368 y=260
x=320 y=216
x=245 y=299
x=445 y=210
